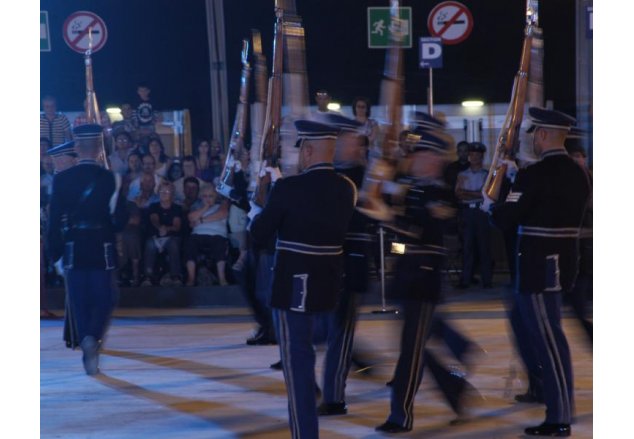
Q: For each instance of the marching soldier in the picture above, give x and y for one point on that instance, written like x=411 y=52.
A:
x=418 y=281
x=547 y=201
x=310 y=213
x=81 y=231
x=350 y=162
x=582 y=291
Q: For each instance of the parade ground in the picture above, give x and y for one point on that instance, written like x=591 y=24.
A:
x=187 y=373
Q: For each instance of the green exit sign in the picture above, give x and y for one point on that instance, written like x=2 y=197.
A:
x=385 y=31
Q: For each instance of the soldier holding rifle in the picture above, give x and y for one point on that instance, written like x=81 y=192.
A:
x=81 y=230
x=547 y=201
x=310 y=213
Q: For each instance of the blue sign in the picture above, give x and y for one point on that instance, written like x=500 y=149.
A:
x=430 y=52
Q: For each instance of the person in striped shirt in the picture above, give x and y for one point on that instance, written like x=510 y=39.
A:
x=53 y=124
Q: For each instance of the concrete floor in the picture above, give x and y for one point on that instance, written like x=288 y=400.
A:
x=187 y=373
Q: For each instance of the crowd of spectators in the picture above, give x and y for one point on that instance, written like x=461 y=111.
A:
x=178 y=229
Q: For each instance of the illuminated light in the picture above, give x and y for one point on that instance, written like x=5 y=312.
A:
x=472 y=104
x=398 y=248
x=334 y=106
x=113 y=110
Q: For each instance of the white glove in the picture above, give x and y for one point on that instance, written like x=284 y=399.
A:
x=59 y=267
x=254 y=211
x=511 y=169
x=486 y=204
x=276 y=174
x=237 y=166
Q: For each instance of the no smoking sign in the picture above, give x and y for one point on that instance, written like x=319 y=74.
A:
x=81 y=27
x=451 y=21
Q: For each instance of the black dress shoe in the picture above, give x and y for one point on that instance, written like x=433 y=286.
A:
x=529 y=397
x=552 y=430
x=391 y=427
x=332 y=409
x=261 y=339
x=277 y=366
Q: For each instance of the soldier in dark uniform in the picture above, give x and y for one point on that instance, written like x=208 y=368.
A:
x=547 y=201
x=81 y=230
x=310 y=213
x=350 y=162
x=418 y=277
x=582 y=291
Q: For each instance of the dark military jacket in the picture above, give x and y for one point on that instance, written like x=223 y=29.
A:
x=81 y=227
x=546 y=204
x=357 y=246
x=428 y=207
x=310 y=213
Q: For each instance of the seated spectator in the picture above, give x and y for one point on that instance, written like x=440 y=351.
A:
x=147 y=195
x=209 y=232
x=122 y=148
x=164 y=226
x=175 y=171
x=133 y=169
x=209 y=161
x=148 y=164
x=130 y=236
x=192 y=193
x=156 y=149
x=189 y=170
x=54 y=126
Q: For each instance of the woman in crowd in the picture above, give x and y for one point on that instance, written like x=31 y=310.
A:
x=157 y=150
x=133 y=170
x=362 y=110
x=209 y=160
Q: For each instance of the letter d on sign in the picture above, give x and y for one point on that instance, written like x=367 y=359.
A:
x=430 y=52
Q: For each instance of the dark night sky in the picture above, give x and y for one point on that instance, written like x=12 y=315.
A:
x=164 y=42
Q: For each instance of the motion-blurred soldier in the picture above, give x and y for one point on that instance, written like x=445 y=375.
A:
x=64 y=156
x=81 y=230
x=582 y=291
x=547 y=201
x=350 y=153
x=310 y=213
x=418 y=277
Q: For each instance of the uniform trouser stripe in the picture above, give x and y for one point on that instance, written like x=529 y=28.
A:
x=285 y=354
x=542 y=314
x=409 y=369
x=555 y=359
x=339 y=353
x=295 y=334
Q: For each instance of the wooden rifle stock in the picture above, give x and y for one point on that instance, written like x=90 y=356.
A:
x=236 y=145
x=270 y=145
x=508 y=139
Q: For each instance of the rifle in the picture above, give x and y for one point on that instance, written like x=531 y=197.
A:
x=270 y=144
x=257 y=108
x=508 y=139
x=384 y=168
x=225 y=186
x=92 y=108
